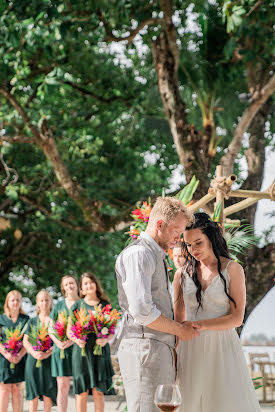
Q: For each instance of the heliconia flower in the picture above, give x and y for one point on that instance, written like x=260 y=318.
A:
x=170 y=253
x=143 y=212
x=60 y=329
x=103 y=323
x=13 y=342
x=82 y=315
x=138 y=213
x=81 y=325
x=40 y=339
x=146 y=210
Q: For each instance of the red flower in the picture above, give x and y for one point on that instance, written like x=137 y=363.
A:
x=12 y=343
x=138 y=213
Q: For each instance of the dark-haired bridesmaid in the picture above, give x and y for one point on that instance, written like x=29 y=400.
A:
x=91 y=372
x=62 y=368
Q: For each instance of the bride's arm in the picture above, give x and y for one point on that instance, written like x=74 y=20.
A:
x=179 y=307
x=237 y=291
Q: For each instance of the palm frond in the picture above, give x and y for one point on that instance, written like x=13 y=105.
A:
x=240 y=239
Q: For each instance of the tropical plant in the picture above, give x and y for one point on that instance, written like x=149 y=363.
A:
x=239 y=238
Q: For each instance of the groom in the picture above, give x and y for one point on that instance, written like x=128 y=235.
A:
x=146 y=352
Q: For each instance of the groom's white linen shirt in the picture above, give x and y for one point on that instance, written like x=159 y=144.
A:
x=136 y=268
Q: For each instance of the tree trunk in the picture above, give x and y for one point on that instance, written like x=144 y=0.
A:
x=191 y=146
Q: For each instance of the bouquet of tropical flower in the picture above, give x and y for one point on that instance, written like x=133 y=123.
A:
x=13 y=342
x=40 y=339
x=60 y=328
x=80 y=325
x=103 y=322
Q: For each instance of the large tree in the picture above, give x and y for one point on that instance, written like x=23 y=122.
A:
x=88 y=89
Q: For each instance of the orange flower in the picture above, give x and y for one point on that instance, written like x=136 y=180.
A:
x=146 y=208
x=170 y=253
x=81 y=315
x=62 y=317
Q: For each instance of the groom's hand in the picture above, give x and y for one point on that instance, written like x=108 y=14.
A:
x=189 y=330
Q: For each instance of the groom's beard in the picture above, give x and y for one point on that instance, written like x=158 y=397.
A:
x=163 y=242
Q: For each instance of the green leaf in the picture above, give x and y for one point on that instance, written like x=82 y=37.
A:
x=11 y=192
x=186 y=194
x=217 y=212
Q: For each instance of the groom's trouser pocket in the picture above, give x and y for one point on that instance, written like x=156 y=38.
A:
x=144 y=363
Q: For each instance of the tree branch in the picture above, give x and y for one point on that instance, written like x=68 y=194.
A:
x=16 y=139
x=17 y=251
x=46 y=142
x=45 y=211
x=258 y=100
x=97 y=97
x=132 y=33
x=44 y=139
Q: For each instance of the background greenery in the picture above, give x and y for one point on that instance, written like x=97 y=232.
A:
x=76 y=98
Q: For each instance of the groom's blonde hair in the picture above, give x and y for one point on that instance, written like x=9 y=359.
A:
x=168 y=209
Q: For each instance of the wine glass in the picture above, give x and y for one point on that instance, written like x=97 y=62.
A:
x=167 y=397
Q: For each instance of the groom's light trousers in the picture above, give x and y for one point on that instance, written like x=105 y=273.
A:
x=144 y=364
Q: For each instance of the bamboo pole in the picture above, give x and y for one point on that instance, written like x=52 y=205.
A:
x=239 y=206
x=203 y=201
x=250 y=194
x=230 y=180
x=220 y=196
x=249 y=201
x=232 y=222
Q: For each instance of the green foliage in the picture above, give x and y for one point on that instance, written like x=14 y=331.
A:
x=187 y=193
x=101 y=103
x=239 y=239
x=217 y=212
x=232 y=15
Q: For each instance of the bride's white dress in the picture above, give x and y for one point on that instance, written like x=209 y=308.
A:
x=212 y=371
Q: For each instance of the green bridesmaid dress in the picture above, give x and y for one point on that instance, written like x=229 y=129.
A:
x=61 y=367
x=39 y=381
x=92 y=371
x=8 y=375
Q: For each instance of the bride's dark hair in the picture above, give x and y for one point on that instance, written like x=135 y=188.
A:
x=212 y=230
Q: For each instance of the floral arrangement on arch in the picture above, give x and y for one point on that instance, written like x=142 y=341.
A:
x=238 y=238
x=142 y=213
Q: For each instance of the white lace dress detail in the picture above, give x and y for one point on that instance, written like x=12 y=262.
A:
x=212 y=371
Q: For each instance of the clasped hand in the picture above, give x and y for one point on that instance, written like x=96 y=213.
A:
x=189 y=330
x=42 y=355
x=65 y=344
x=11 y=358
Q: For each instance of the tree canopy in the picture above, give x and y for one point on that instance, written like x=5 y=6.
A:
x=100 y=104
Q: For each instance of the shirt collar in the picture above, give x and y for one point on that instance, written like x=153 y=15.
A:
x=154 y=244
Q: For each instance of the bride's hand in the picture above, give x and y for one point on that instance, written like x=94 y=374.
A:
x=197 y=325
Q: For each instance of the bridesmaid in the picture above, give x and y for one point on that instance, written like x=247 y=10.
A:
x=62 y=368
x=91 y=372
x=39 y=382
x=11 y=379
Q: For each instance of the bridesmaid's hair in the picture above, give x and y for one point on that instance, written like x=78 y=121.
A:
x=6 y=304
x=66 y=277
x=99 y=291
x=49 y=296
x=214 y=233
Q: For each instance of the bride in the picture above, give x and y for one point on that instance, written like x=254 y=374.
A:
x=209 y=290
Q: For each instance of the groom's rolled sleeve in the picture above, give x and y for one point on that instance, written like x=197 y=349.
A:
x=139 y=268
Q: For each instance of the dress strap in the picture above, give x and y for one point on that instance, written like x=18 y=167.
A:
x=226 y=274
x=228 y=263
